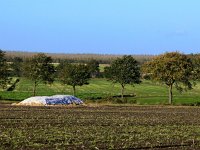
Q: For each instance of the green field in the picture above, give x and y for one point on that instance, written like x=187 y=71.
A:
x=101 y=90
x=102 y=66
x=102 y=127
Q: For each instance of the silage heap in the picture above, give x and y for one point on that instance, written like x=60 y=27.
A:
x=51 y=100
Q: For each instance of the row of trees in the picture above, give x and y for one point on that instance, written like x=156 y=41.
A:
x=41 y=69
x=172 y=69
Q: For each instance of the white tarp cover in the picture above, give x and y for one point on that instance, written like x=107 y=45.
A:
x=52 y=100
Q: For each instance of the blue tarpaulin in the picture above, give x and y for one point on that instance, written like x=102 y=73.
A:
x=63 y=100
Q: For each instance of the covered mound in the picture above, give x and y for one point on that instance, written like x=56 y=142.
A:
x=51 y=100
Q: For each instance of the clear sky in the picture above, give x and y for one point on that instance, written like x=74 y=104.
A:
x=100 y=26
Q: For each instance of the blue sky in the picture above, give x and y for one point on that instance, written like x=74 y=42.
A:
x=100 y=26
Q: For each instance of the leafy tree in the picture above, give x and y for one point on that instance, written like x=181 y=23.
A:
x=171 y=69
x=73 y=74
x=39 y=69
x=124 y=71
x=107 y=72
x=196 y=66
x=93 y=66
x=4 y=71
x=17 y=67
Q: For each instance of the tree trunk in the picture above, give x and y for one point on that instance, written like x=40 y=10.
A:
x=74 y=90
x=34 y=88
x=170 y=94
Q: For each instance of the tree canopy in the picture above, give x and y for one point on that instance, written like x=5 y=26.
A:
x=4 y=70
x=172 y=69
x=16 y=66
x=73 y=74
x=39 y=69
x=93 y=66
x=196 y=67
x=124 y=71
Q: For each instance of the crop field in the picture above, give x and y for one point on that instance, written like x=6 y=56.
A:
x=102 y=127
x=100 y=89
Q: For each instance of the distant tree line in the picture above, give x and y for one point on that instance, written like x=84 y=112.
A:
x=174 y=69
x=76 y=58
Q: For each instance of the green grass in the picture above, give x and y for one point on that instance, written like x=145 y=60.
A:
x=145 y=93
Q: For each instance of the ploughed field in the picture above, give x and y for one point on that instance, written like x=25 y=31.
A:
x=100 y=127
